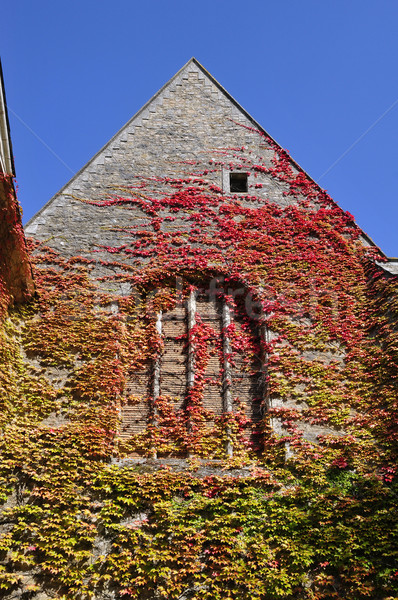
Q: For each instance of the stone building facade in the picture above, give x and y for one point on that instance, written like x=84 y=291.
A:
x=162 y=205
x=200 y=400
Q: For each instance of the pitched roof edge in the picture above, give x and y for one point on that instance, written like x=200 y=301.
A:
x=144 y=107
x=5 y=131
x=250 y=118
x=370 y=241
x=236 y=104
x=109 y=142
x=260 y=128
x=390 y=266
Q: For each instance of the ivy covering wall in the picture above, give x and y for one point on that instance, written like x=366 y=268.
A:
x=294 y=519
x=15 y=272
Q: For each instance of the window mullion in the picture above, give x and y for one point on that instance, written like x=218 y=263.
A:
x=156 y=373
x=227 y=370
x=264 y=336
x=157 y=364
x=191 y=310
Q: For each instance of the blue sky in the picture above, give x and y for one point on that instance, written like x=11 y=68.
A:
x=320 y=77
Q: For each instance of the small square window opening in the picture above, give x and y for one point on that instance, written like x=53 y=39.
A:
x=238 y=182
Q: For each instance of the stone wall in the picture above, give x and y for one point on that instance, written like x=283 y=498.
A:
x=191 y=133
x=190 y=126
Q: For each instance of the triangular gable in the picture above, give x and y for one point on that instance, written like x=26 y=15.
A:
x=151 y=106
x=113 y=148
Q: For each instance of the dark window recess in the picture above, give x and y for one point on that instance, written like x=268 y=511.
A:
x=233 y=380
x=238 y=182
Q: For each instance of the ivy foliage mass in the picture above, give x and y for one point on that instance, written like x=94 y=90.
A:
x=287 y=519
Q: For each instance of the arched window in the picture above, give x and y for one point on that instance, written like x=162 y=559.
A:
x=211 y=344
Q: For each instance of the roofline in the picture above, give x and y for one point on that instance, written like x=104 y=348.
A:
x=109 y=142
x=232 y=99
x=260 y=128
x=371 y=242
x=7 y=123
x=145 y=106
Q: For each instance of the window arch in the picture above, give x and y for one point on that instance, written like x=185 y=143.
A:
x=212 y=346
